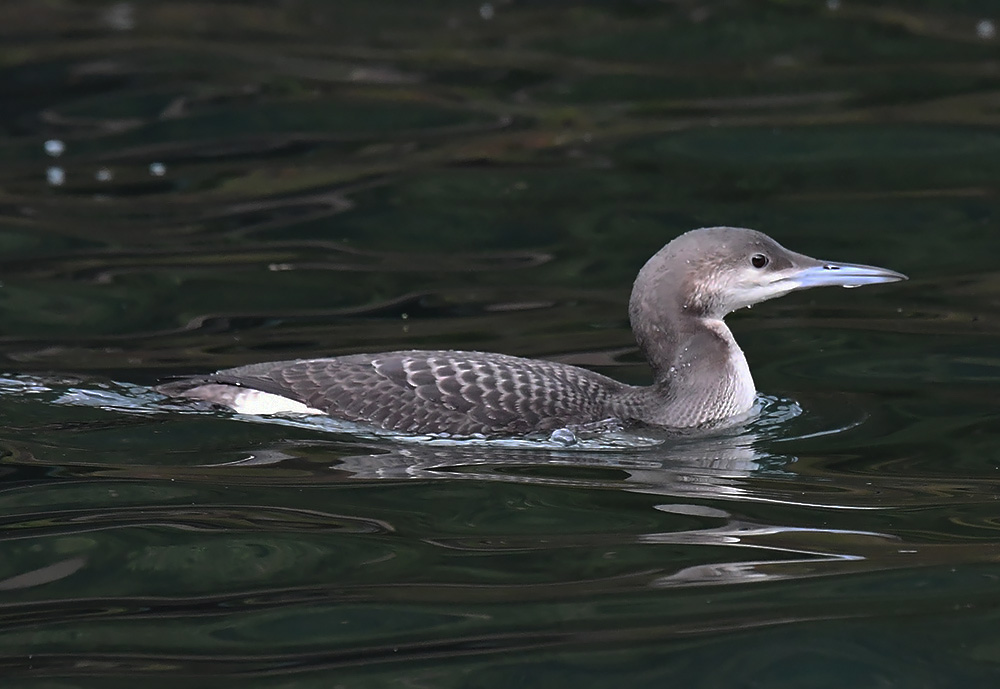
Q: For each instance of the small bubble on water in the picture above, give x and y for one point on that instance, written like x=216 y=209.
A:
x=986 y=29
x=55 y=176
x=833 y=5
x=104 y=175
x=486 y=11
x=157 y=169
x=563 y=436
x=55 y=147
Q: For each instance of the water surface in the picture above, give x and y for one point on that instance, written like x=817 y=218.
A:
x=186 y=187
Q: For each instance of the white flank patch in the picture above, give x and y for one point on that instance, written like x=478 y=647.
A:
x=259 y=403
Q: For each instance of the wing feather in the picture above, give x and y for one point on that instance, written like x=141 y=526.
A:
x=460 y=393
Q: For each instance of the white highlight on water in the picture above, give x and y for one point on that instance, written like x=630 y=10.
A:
x=55 y=147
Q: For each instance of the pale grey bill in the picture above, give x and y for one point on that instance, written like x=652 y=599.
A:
x=831 y=274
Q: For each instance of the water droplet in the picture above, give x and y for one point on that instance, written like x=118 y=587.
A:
x=486 y=11
x=986 y=29
x=55 y=147
x=55 y=176
x=833 y=5
x=104 y=175
x=157 y=169
x=563 y=436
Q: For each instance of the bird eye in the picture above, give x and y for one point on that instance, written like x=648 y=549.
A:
x=759 y=260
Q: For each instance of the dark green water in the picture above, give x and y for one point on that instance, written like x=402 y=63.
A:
x=245 y=181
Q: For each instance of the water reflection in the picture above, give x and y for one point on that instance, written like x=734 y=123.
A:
x=705 y=476
x=354 y=545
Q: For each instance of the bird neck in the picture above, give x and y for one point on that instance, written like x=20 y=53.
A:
x=700 y=374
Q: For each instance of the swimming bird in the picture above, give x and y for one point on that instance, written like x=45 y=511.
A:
x=678 y=302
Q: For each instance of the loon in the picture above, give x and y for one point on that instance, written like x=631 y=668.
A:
x=678 y=302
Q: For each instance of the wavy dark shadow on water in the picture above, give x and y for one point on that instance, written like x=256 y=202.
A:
x=751 y=462
x=295 y=550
